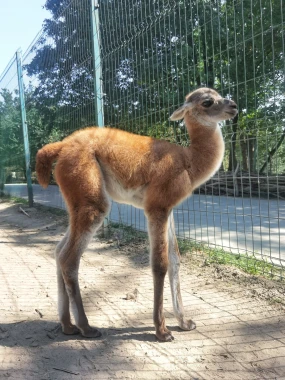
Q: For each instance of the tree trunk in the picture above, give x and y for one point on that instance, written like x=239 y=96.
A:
x=252 y=154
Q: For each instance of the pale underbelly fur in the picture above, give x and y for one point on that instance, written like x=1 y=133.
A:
x=118 y=193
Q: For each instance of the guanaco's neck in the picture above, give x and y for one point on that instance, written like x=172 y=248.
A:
x=206 y=150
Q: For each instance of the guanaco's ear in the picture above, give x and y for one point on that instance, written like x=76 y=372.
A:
x=180 y=112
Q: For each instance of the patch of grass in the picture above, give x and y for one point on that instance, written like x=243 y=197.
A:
x=246 y=263
x=186 y=246
x=276 y=300
x=12 y=199
x=126 y=234
x=51 y=210
x=40 y=207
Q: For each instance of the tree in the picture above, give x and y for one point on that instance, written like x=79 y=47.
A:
x=62 y=64
x=11 y=140
x=11 y=135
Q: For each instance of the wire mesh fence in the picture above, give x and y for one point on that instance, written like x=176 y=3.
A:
x=151 y=54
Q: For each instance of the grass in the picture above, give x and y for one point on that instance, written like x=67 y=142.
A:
x=126 y=234
x=275 y=300
x=247 y=263
x=44 y=208
x=9 y=198
x=52 y=210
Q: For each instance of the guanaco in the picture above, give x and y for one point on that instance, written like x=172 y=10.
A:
x=97 y=164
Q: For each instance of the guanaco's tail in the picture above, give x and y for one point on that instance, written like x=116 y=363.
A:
x=44 y=160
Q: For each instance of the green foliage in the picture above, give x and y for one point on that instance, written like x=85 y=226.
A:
x=11 y=135
x=10 y=125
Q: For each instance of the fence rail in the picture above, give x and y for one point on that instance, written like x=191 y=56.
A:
x=130 y=63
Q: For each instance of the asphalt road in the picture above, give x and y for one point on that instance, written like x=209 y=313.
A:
x=240 y=225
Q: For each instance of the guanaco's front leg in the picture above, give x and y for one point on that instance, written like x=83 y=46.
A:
x=157 y=227
x=174 y=279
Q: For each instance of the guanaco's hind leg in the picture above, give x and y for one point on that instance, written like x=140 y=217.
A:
x=63 y=299
x=88 y=204
x=174 y=280
x=68 y=264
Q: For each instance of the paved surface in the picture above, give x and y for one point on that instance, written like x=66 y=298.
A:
x=238 y=336
x=240 y=225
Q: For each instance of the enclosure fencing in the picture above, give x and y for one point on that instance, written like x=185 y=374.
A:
x=128 y=65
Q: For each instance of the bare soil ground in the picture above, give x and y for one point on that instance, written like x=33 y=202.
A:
x=240 y=319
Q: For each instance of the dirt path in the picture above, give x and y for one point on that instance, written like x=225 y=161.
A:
x=238 y=335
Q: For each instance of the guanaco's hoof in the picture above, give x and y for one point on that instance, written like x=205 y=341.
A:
x=91 y=333
x=187 y=325
x=164 y=335
x=70 y=330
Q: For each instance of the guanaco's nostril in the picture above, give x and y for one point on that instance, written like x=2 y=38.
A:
x=233 y=105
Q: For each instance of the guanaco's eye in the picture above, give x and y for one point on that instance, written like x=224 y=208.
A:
x=207 y=103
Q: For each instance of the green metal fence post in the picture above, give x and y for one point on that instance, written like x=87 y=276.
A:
x=98 y=85
x=24 y=126
x=2 y=178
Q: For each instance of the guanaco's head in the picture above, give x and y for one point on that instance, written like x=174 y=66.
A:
x=206 y=106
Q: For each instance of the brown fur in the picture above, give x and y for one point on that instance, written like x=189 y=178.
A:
x=95 y=164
